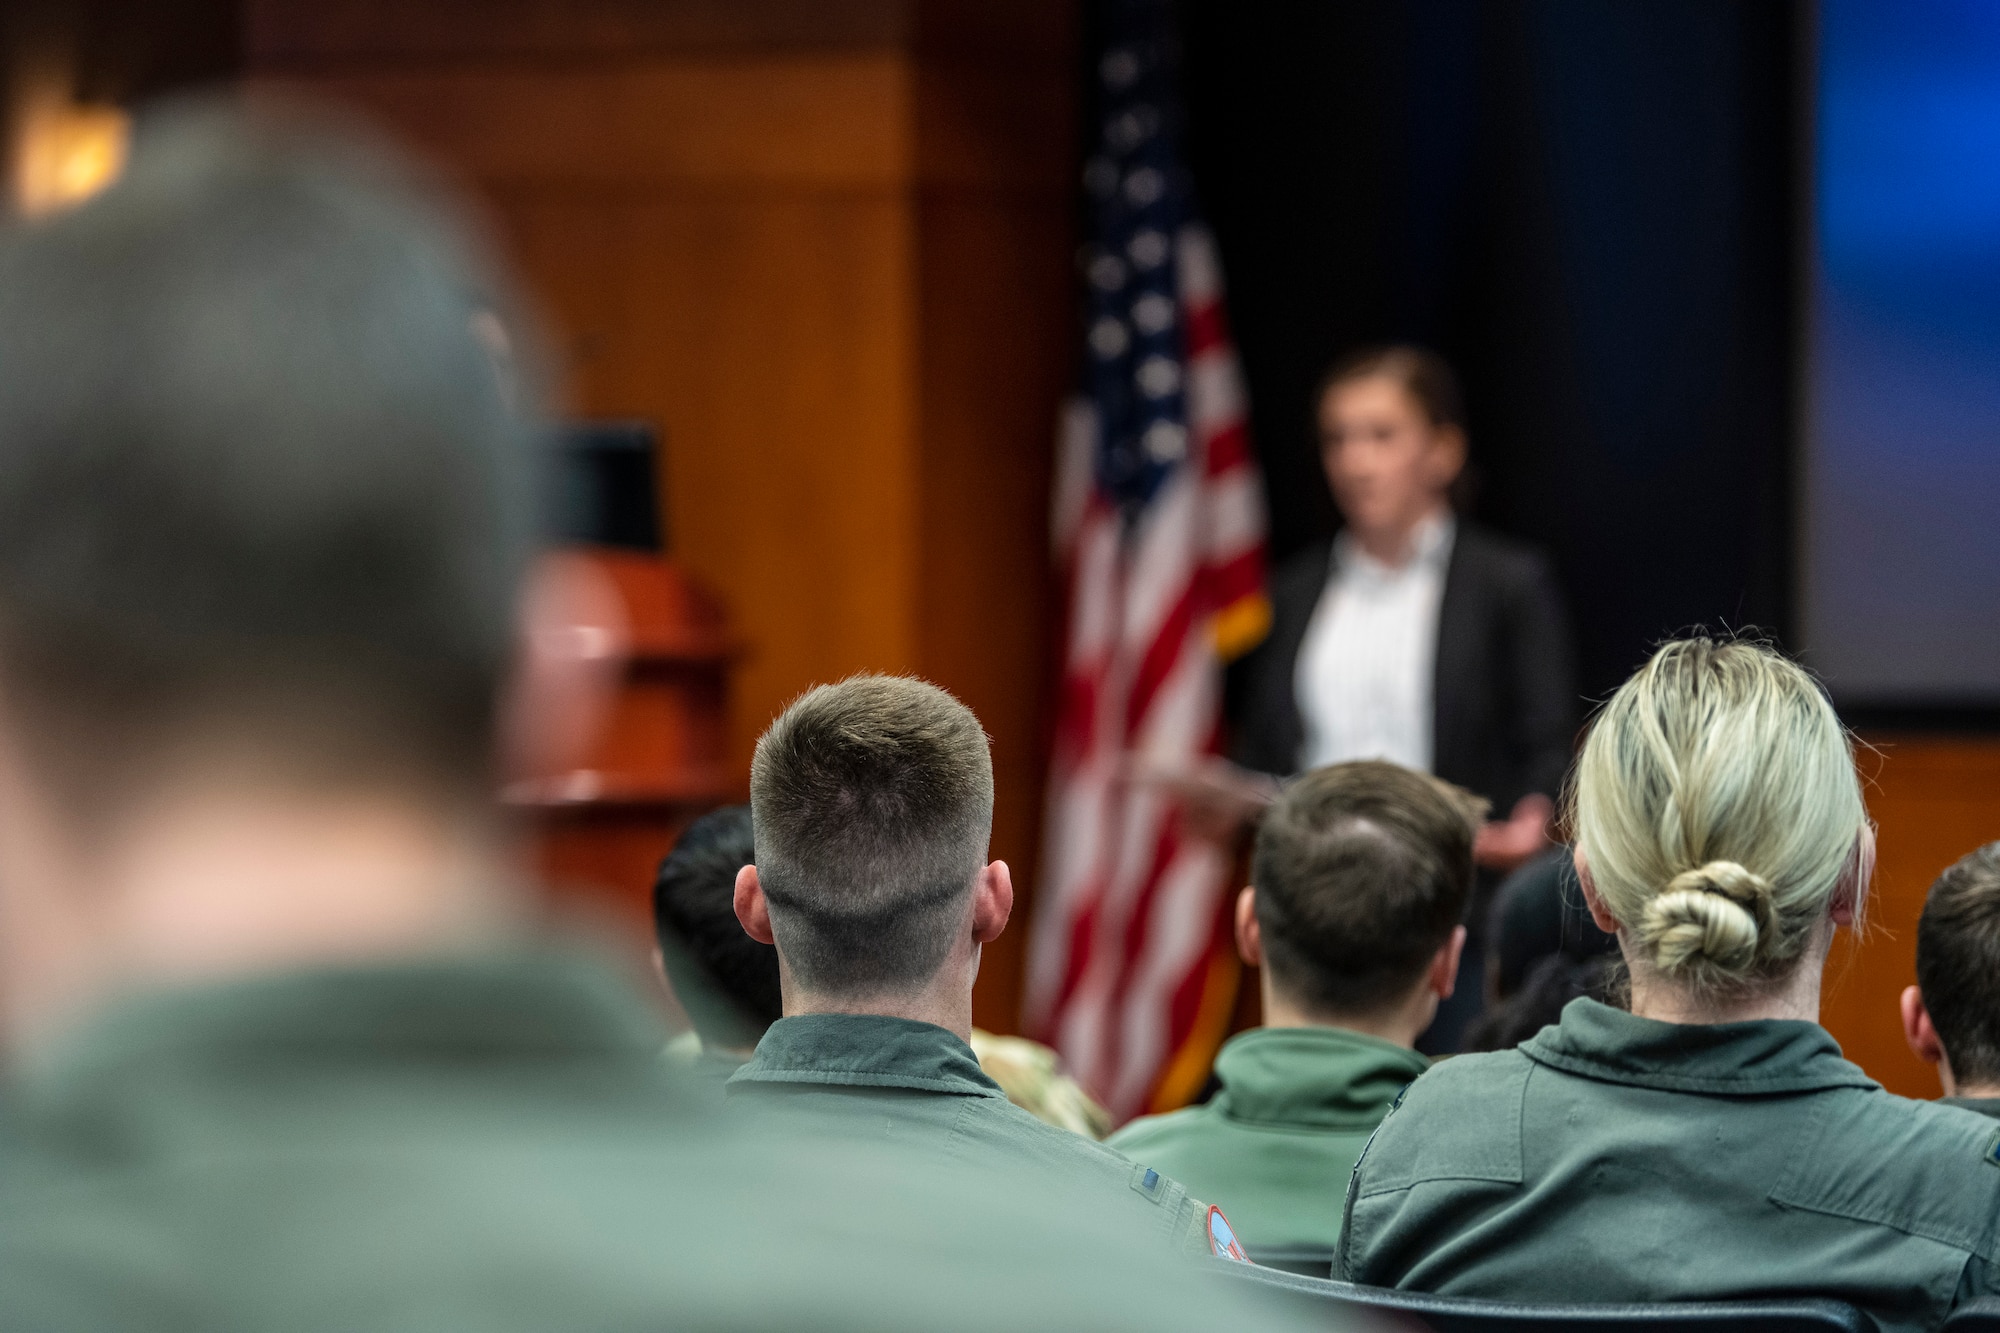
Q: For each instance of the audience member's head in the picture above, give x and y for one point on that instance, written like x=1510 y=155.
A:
x=726 y=981
x=1951 y=1017
x=1392 y=437
x=1544 y=990
x=1719 y=822
x=1542 y=951
x=1358 y=887
x=264 y=519
x=873 y=804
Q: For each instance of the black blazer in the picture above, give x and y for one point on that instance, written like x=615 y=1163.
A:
x=1504 y=697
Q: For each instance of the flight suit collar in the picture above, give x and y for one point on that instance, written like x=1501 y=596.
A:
x=1748 y=1059
x=866 y=1050
x=1312 y=1077
x=497 y=1010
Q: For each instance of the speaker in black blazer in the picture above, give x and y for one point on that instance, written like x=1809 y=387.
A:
x=1504 y=696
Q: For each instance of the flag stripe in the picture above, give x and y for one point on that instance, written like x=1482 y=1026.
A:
x=1158 y=522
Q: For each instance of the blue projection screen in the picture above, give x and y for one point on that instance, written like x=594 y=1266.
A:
x=1901 y=534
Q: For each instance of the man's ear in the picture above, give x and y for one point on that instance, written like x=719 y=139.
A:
x=1917 y=1028
x=1598 y=911
x=753 y=910
x=1249 y=935
x=1442 y=979
x=992 y=901
x=574 y=643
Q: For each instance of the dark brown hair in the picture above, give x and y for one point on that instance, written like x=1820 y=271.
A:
x=1424 y=375
x=872 y=804
x=1958 y=964
x=1361 y=869
x=727 y=982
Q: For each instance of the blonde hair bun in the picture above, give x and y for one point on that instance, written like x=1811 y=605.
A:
x=1720 y=914
x=1716 y=756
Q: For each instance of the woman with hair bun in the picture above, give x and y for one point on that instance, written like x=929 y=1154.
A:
x=1710 y=1143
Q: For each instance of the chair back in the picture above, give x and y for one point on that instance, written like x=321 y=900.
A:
x=1305 y=1260
x=1460 y=1314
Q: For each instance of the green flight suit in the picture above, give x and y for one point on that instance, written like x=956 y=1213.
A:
x=919 y=1087
x=495 y=1144
x=1616 y=1158
x=1274 y=1146
x=1987 y=1106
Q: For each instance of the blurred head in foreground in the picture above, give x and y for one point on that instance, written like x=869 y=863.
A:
x=873 y=802
x=726 y=981
x=265 y=542
x=1358 y=886
x=1720 y=830
x=265 y=525
x=1951 y=1017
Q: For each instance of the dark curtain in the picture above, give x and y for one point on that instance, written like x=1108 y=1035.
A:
x=1589 y=207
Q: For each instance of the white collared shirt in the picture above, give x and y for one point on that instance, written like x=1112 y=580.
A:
x=1365 y=672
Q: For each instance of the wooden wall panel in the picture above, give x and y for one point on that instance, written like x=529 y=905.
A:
x=319 y=32
x=1933 y=800
x=795 y=122
x=995 y=362
x=725 y=250
x=994 y=237
x=825 y=246
x=769 y=337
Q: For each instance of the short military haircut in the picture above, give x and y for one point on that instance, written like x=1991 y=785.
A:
x=1958 y=964
x=256 y=476
x=727 y=982
x=1361 y=870
x=873 y=805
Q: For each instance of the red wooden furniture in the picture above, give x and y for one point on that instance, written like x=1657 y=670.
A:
x=659 y=760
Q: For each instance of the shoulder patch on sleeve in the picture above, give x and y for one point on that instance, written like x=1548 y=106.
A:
x=1992 y=1157
x=1222 y=1242
x=1149 y=1183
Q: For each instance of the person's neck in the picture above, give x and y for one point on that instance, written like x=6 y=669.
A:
x=1400 y=1024
x=1970 y=1091
x=1396 y=546
x=1795 y=997
x=944 y=1001
x=226 y=880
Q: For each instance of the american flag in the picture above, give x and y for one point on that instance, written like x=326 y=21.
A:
x=1159 y=527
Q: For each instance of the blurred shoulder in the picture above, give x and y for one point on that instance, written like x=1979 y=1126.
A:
x=1303 y=570
x=1031 y=1075
x=1149 y=1132
x=1507 y=561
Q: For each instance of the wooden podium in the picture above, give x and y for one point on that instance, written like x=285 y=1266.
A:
x=659 y=760
x=661 y=756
